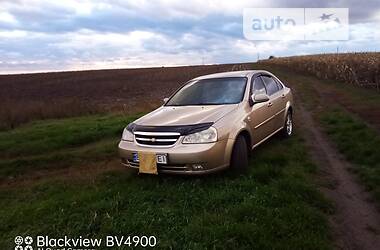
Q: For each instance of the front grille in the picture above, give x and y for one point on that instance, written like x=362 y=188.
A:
x=178 y=167
x=158 y=139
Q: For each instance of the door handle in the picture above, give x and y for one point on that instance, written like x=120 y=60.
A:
x=270 y=104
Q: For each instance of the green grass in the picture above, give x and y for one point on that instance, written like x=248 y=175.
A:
x=59 y=143
x=358 y=143
x=101 y=150
x=47 y=136
x=274 y=206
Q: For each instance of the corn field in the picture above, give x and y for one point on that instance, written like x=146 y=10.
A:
x=361 y=69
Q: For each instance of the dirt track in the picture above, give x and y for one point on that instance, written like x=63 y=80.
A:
x=355 y=221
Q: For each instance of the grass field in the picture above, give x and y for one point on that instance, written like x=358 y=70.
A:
x=85 y=191
x=59 y=143
x=275 y=206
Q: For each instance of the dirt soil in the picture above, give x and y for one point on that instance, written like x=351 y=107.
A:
x=27 y=97
x=109 y=88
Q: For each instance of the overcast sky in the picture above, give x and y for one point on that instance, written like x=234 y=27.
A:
x=42 y=35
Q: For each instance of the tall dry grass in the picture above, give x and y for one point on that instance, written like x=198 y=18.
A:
x=361 y=69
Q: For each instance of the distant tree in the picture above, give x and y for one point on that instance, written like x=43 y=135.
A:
x=271 y=57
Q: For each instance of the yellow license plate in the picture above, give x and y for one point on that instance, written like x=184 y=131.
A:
x=147 y=162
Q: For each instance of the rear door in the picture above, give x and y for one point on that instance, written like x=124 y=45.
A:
x=276 y=100
x=260 y=113
x=283 y=101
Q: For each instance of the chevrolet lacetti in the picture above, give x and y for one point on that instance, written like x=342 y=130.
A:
x=209 y=124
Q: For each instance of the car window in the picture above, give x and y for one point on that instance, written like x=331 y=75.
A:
x=258 y=86
x=213 y=91
x=270 y=85
x=279 y=85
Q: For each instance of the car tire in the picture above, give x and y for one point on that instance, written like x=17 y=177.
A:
x=239 y=156
x=287 y=131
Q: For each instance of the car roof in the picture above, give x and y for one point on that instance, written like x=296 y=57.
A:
x=243 y=73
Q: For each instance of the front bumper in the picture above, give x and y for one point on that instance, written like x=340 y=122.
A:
x=183 y=158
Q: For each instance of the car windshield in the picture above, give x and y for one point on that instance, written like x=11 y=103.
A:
x=214 y=91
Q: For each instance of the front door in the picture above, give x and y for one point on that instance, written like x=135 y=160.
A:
x=261 y=113
x=276 y=101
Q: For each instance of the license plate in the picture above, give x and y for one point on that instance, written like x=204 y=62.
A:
x=160 y=158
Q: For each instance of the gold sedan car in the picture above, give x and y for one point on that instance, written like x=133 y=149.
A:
x=209 y=124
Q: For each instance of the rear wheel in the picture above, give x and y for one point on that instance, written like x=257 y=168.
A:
x=287 y=131
x=239 y=157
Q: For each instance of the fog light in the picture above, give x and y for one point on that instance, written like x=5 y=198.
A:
x=197 y=167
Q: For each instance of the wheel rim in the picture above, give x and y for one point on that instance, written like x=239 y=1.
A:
x=289 y=125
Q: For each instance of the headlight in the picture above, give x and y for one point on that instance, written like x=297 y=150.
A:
x=205 y=136
x=127 y=135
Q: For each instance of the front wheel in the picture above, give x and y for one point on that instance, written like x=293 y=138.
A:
x=239 y=157
x=287 y=131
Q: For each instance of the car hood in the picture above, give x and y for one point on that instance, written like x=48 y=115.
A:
x=185 y=115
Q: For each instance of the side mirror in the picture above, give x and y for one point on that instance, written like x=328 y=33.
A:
x=258 y=98
x=166 y=100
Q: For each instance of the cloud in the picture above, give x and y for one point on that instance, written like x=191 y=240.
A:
x=42 y=35
x=6 y=17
